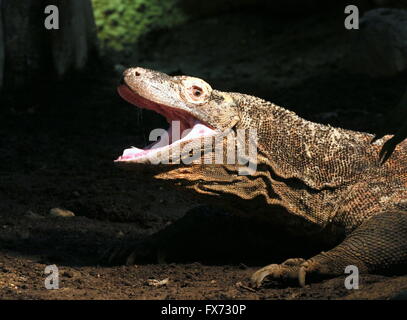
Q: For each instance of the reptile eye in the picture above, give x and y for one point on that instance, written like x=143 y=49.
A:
x=194 y=90
x=197 y=92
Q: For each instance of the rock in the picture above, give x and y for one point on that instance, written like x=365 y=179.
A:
x=157 y=283
x=58 y=212
x=379 y=47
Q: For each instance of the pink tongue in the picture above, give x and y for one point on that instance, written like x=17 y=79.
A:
x=133 y=153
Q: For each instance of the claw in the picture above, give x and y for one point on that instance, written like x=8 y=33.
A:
x=258 y=277
x=301 y=276
x=288 y=270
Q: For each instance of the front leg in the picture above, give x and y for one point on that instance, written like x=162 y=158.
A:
x=379 y=245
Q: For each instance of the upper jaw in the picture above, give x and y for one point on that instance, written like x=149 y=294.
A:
x=153 y=87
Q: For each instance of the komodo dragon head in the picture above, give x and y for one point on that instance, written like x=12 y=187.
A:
x=205 y=119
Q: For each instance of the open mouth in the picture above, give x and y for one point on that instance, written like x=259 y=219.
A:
x=188 y=127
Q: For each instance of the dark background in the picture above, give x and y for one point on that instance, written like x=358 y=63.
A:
x=62 y=124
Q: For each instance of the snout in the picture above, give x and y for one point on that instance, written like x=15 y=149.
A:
x=151 y=85
x=131 y=74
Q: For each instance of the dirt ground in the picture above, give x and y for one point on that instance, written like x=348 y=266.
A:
x=58 y=152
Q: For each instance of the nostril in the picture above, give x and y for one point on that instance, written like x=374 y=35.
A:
x=133 y=72
x=138 y=71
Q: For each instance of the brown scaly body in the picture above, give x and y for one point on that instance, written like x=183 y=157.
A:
x=324 y=176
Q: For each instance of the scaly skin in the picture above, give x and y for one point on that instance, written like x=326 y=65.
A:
x=308 y=174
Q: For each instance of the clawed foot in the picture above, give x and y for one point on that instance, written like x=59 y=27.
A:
x=291 y=269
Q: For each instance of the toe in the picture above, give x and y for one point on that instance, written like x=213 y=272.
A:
x=274 y=271
x=296 y=272
x=293 y=262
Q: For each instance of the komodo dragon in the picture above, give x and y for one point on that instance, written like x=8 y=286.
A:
x=319 y=175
